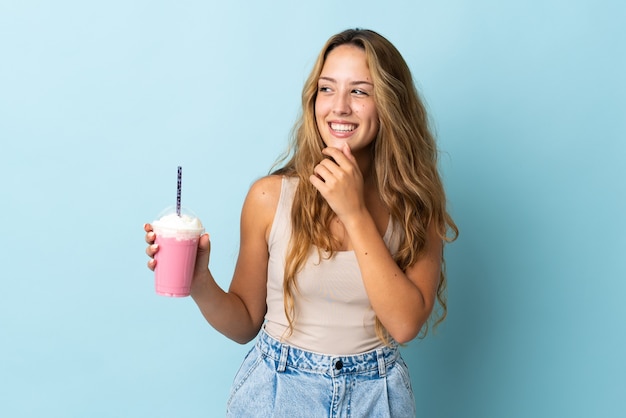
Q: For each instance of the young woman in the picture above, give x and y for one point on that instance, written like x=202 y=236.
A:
x=341 y=252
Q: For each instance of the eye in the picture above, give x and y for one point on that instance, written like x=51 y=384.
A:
x=360 y=92
x=323 y=89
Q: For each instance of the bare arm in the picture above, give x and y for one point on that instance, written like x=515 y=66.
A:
x=239 y=313
x=402 y=300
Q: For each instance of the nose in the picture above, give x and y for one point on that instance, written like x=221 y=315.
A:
x=341 y=104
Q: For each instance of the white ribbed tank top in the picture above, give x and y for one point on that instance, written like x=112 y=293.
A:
x=333 y=312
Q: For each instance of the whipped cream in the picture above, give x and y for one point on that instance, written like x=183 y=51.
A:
x=184 y=226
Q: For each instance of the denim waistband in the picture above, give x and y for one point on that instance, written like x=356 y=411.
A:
x=381 y=359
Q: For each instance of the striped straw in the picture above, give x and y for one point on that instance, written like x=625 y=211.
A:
x=178 y=188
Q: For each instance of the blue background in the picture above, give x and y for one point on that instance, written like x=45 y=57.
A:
x=100 y=101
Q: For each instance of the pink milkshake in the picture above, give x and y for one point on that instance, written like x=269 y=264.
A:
x=177 y=238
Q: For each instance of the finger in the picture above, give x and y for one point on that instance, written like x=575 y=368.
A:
x=204 y=251
x=152 y=250
x=332 y=152
x=324 y=170
x=348 y=152
x=152 y=264
x=317 y=182
x=338 y=155
x=150 y=237
x=204 y=243
x=147 y=227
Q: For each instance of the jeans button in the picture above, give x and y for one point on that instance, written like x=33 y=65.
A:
x=339 y=365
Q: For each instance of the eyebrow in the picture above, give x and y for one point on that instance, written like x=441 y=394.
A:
x=354 y=83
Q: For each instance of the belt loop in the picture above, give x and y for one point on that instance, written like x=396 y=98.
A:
x=282 y=362
x=380 y=356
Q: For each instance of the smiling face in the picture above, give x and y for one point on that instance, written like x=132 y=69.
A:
x=345 y=110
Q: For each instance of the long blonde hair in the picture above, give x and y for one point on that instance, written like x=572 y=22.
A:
x=404 y=156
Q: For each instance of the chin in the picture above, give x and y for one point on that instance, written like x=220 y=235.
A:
x=335 y=143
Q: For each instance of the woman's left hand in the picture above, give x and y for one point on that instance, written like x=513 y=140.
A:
x=340 y=181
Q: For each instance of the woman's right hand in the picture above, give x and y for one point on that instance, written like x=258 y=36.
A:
x=152 y=248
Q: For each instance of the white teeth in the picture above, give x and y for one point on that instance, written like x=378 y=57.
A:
x=340 y=127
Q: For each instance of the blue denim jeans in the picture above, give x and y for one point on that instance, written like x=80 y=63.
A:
x=277 y=380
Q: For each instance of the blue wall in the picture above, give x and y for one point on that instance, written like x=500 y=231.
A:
x=100 y=101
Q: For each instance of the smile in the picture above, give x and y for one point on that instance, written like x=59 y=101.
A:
x=342 y=127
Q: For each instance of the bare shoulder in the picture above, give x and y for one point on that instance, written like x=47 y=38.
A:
x=261 y=202
x=265 y=192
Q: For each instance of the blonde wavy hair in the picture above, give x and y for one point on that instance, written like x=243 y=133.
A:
x=404 y=156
